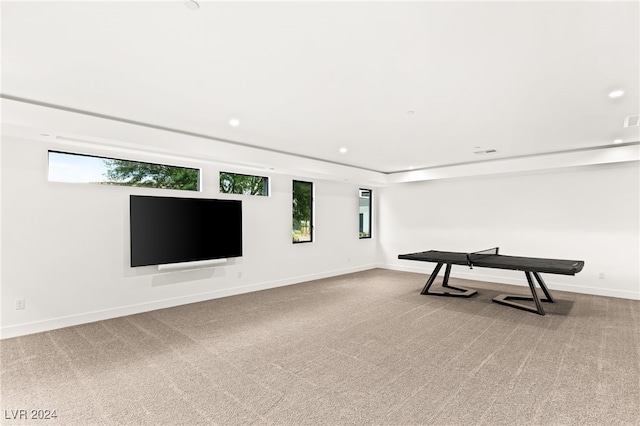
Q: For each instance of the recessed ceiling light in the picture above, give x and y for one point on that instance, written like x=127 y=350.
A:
x=618 y=141
x=616 y=93
x=411 y=112
x=234 y=122
x=343 y=150
x=191 y=5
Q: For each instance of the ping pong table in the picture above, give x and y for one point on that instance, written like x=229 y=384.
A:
x=531 y=266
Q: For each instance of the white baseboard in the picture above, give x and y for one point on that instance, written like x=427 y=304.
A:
x=477 y=276
x=84 y=318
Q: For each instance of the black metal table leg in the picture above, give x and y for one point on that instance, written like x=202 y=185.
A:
x=464 y=292
x=432 y=278
x=506 y=299
x=544 y=288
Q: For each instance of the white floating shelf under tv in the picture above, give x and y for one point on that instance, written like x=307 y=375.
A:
x=191 y=265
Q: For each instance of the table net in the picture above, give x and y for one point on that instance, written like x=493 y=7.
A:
x=471 y=257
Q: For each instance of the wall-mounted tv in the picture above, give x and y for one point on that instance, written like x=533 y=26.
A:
x=175 y=230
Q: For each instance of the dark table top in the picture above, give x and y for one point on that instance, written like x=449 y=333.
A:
x=498 y=261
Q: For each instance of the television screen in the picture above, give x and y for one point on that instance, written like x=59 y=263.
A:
x=173 y=230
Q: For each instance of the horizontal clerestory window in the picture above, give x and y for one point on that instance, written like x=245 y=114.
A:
x=81 y=168
x=235 y=183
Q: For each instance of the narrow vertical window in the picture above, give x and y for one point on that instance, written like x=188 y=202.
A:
x=302 y=212
x=365 y=213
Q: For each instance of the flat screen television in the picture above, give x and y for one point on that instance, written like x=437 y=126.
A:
x=175 y=230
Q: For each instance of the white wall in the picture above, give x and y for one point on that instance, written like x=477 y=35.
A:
x=587 y=213
x=65 y=247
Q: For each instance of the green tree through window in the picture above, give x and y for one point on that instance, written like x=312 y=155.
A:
x=234 y=183
x=302 y=211
x=80 y=168
x=132 y=173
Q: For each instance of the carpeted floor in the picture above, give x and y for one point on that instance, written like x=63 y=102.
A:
x=359 y=349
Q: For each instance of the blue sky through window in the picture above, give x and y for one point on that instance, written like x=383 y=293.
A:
x=76 y=168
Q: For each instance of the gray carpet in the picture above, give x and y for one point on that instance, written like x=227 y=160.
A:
x=360 y=349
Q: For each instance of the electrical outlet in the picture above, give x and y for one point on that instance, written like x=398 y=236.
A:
x=601 y=276
x=240 y=274
x=20 y=304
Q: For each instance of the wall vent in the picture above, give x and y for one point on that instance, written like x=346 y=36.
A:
x=632 y=121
